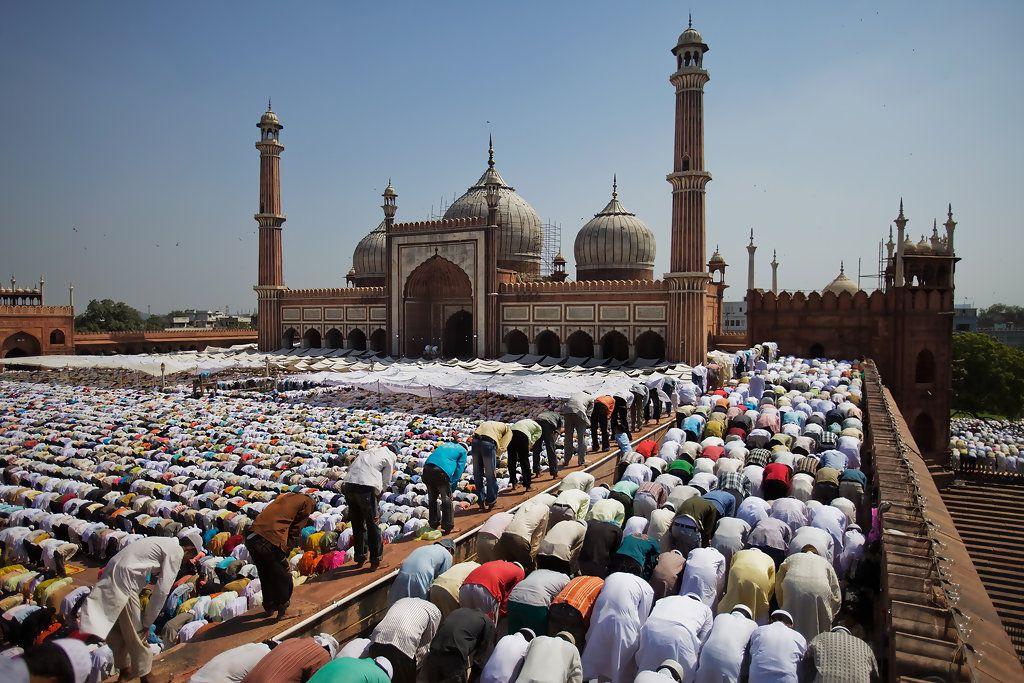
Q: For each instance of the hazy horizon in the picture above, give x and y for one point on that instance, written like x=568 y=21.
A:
x=130 y=169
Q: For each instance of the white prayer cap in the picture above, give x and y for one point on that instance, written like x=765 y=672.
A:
x=78 y=656
x=327 y=641
x=743 y=609
x=783 y=614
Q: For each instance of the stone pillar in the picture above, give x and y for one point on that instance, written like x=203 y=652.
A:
x=564 y=350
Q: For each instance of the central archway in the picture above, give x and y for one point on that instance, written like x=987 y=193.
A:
x=20 y=345
x=458 y=335
x=435 y=293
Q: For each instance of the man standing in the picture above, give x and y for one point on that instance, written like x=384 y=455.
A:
x=274 y=533
x=525 y=433
x=368 y=475
x=640 y=409
x=550 y=423
x=441 y=474
x=604 y=406
x=576 y=411
x=113 y=610
x=490 y=440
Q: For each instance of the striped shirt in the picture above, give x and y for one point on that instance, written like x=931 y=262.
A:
x=409 y=625
x=581 y=593
x=293 y=661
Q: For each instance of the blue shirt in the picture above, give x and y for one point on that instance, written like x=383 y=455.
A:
x=450 y=457
x=418 y=571
x=723 y=501
x=834 y=459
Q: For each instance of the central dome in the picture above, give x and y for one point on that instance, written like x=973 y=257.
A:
x=369 y=260
x=614 y=245
x=519 y=233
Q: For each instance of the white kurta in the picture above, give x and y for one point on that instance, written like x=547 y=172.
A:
x=721 y=658
x=676 y=630
x=126 y=574
x=704 y=575
x=614 y=634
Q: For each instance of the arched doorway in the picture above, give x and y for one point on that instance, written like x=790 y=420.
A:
x=614 y=345
x=924 y=370
x=311 y=339
x=435 y=292
x=580 y=344
x=289 y=338
x=924 y=432
x=334 y=339
x=379 y=341
x=458 y=335
x=20 y=345
x=57 y=337
x=517 y=342
x=548 y=344
x=357 y=339
x=650 y=345
x=816 y=351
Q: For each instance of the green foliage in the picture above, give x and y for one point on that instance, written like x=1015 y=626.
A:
x=155 y=323
x=988 y=376
x=1001 y=313
x=109 y=316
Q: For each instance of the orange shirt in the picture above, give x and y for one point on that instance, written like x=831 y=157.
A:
x=607 y=401
x=581 y=593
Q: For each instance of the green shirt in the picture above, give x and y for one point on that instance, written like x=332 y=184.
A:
x=350 y=670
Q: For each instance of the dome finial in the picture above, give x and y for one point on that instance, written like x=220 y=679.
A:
x=949 y=211
x=691 y=20
x=490 y=150
x=901 y=208
x=268 y=104
x=615 y=186
x=842 y=268
x=751 y=237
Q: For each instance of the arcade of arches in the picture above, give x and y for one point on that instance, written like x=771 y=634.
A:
x=19 y=345
x=437 y=304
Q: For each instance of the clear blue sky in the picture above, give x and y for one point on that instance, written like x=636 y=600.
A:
x=135 y=122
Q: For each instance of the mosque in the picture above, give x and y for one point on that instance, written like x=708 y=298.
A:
x=470 y=283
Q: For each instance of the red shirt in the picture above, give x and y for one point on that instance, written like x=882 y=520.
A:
x=607 y=401
x=498 y=577
x=776 y=471
x=647 y=447
x=713 y=453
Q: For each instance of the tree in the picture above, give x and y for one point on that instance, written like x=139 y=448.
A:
x=1000 y=313
x=108 y=316
x=155 y=323
x=988 y=376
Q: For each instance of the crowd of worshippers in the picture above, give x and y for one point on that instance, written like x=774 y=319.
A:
x=986 y=445
x=733 y=550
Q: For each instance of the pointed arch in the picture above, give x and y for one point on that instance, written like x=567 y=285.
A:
x=19 y=345
x=379 y=340
x=924 y=368
x=57 y=337
x=311 y=339
x=334 y=338
x=548 y=344
x=580 y=344
x=614 y=345
x=650 y=345
x=517 y=342
x=289 y=338
x=357 y=339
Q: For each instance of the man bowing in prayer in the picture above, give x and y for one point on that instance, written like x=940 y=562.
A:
x=113 y=610
x=275 y=531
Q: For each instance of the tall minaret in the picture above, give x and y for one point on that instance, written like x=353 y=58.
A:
x=775 y=273
x=901 y=234
x=270 y=219
x=688 y=278
x=751 y=248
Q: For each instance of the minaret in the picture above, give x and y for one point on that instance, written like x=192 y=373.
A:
x=42 y=285
x=687 y=330
x=775 y=273
x=751 y=248
x=950 y=226
x=270 y=219
x=901 y=234
x=71 y=295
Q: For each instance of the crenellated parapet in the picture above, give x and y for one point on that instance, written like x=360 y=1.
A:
x=348 y=293
x=36 y=310
x=442 y=225
x=607 y=286
x=905 y=299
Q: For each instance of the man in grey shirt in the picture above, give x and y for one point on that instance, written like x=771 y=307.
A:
x=576 y=410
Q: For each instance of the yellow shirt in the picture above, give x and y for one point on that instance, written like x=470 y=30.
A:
x=499 y=431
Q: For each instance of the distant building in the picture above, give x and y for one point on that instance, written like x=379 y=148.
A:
x=208 y=320
x=29 y=327
x=965 y=318
x=1007 y=333
x=734 y=316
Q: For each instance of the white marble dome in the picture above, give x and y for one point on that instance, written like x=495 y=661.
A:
x=614 y=245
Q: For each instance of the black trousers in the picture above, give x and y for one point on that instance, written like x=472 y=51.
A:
x=653 y=404
x=403 y=665
x=445 y=668
x=362 y=509
x=599 y=419
x=439 y=498
x=547 y=442
x=620 y=418
x=565 y=617
x=519 y=457
x=272 y=567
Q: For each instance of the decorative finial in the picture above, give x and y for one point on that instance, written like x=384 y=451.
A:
x=901 y=208
x=691 y=20
x=890 y=232
x=268 y=104
x=490 y=150
x=842 y=268
x=949 y=212
x=751 y=237
x=615 y=186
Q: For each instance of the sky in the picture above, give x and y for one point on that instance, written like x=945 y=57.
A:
x=128 y=163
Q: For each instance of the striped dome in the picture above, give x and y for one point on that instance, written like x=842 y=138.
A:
x=369 y=258
x=614 y=244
